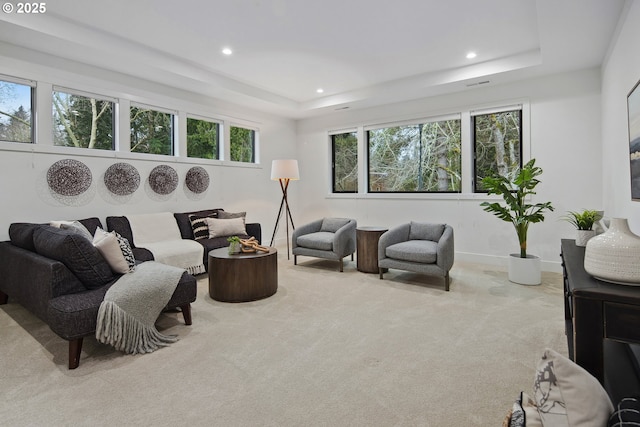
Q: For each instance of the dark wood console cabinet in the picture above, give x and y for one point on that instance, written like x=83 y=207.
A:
x=595 y=311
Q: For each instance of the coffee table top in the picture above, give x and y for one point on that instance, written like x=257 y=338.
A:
x=223 y=253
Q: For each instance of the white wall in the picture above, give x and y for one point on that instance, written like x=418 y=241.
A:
x=565 y=139
x=24 y=192
x=620 y=73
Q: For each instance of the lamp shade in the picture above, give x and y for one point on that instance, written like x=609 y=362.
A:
x=285 y=169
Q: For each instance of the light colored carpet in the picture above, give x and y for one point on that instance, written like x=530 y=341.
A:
x=328 y=349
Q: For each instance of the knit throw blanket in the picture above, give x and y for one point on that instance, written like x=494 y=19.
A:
x=159 y=233
x=131 y=306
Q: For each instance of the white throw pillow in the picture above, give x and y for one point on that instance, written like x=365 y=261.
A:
x=109 y=247
x=226 y=227
x=567 y=395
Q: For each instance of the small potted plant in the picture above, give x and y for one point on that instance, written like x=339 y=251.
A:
x=583 y=222
x=516 y=190
x=234 y=245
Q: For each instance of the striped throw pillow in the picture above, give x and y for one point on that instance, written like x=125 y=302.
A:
x=199 y=225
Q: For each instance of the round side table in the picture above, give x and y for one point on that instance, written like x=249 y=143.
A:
x=367 y=245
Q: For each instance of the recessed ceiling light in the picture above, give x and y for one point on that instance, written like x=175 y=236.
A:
x=227 y=51
x=471 y=55
x=320 y=90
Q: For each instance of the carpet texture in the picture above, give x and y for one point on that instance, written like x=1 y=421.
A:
x=328 y=349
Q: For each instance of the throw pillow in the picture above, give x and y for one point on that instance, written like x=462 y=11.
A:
x=226 y=227
x=109 y=246
x=230 y=215
x=21 y=234
x=73 y=226
x=199 y=226
x=627 y=413
x=524 y=413
x=74 y=251
x=567 y=395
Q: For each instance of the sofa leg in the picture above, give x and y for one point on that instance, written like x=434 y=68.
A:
x=341 y=265
x=75 y=348
x=186 y=313
x=446 y=282
x=3 y=298
x=381 y=271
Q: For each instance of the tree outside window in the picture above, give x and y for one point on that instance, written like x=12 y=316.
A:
x=84 y=122
x=242 y=145
x=16 y=123
x=416 y=158
x=497 y=139
x=203 y=139
x=344 y=148
x=151 y=131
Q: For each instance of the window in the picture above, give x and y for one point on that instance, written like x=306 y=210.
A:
x=203 y=137
x=82 y=121
x=497 y=140
x=151 y=131
x=344 y=149
x=16 y=119
x=242 y=145
x=423 y=157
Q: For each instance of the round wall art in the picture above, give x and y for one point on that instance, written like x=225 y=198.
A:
x=122 y=179
x=163 y=179
x=197 y=179
x=69 y=177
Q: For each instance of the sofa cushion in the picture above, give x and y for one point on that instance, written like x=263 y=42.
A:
x=199 y=226
x=74 y=251
x=231 y=215
x=426 y=231
x=226 y=227
x=322 y=240
x=567 y=395
x=626 y=414
x=21 y=235
x=333 y=224
x=422 y=251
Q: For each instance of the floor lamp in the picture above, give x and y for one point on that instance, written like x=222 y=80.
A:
x=284 y=171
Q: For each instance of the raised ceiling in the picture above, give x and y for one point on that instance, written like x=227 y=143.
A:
x=361 y=52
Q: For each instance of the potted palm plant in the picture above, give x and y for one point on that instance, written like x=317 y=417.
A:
x=516 y=189
x=583 y=222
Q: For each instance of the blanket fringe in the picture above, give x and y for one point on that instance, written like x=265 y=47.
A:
x=196 y=269
x=127 y=333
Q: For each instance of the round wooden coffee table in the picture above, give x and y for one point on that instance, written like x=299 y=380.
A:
x=242 y=277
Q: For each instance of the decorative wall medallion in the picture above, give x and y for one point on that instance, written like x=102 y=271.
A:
x=122 y=179
x=69 y=177
x=197 y=179
x=163 y=179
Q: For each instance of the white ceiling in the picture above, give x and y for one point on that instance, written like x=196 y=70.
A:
x=361 y=52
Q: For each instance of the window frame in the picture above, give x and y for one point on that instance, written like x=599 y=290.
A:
x=332 y=136
x=254 y=144
x=521 y=143
x=32 y=99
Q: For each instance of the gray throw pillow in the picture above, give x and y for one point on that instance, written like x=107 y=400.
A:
x=231 y=215
x=75 y=252
x=77 y=228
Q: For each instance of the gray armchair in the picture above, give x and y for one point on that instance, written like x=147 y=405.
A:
x=329 y=238
x=418 y=247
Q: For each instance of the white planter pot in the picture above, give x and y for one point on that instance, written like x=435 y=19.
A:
x=583 y=236
x=525 y=271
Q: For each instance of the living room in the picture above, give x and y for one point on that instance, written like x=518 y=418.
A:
x=575 y=125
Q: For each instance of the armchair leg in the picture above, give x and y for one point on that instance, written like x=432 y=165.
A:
x=186 y=313
x=75 y=348
x=381 y=271
x=351 y=257
x=446 y=282
x=341 y=266
x=295 y=260
x=3 y=298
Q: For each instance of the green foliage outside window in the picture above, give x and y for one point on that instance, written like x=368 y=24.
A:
x=15 y=112
x=345 y=163
x=151 y=131
x=242 y=145
x=80 y=121
x=416 y=158
x=202 y=139
x=497 y=144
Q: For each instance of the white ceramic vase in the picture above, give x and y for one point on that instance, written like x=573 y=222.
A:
x=614 y=256
x=525 y=271
x=583 y=236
